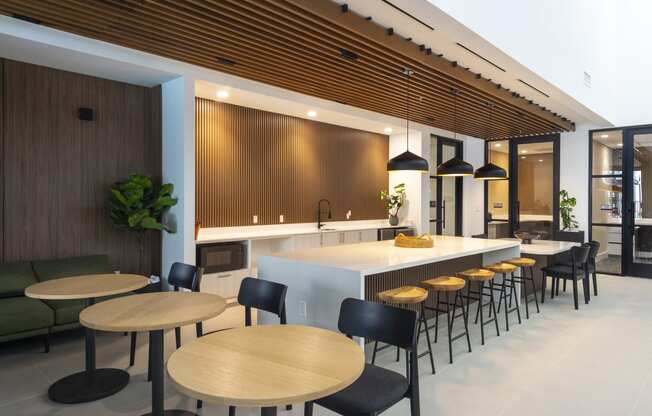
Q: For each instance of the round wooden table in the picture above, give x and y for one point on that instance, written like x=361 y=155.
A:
x=93 y=383
x=266 y=366
x=154 y=312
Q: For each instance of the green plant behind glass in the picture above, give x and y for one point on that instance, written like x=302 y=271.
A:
x=394 y=201
x=566 y=205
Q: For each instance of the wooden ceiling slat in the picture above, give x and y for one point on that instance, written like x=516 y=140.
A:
x=281 y=43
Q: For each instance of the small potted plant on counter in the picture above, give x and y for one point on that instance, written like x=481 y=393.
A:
x=394 y=201
x=569 y=231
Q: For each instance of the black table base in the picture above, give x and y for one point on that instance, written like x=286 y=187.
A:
x=88 y=386
x=174 y=412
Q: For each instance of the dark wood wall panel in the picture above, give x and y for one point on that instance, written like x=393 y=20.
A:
x=58 y=169
x=252 y=162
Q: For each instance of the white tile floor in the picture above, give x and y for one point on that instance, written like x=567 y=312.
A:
x=597 y=361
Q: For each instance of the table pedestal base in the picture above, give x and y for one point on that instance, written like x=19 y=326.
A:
x=88 y=386
x=174 y=412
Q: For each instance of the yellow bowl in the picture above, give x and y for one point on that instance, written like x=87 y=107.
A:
x=422 y=241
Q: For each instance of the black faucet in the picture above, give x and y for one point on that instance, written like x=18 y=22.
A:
x=319 y=223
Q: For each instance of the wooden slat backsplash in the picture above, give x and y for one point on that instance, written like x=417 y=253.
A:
x=252 y=162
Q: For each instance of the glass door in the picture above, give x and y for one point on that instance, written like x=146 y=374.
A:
x=637 y=221
x=534 y=185
x=445 y=192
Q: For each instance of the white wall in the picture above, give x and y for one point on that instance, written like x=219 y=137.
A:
x=473 y=198
x=560 y=39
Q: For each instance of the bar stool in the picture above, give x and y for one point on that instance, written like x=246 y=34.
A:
x=407 y=295
x=448 y=285
x=504 y=269
x=526 y=263
x=481 y=276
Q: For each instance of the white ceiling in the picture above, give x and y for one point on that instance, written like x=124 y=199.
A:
x=444 y=38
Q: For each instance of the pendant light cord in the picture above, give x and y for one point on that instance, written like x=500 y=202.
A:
x=407 y=110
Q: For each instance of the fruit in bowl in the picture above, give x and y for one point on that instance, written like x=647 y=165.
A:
x=526 y=237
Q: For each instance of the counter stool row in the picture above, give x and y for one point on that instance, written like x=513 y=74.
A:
x=450 y=299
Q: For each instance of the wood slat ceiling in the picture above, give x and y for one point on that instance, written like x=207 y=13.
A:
x=297 y=45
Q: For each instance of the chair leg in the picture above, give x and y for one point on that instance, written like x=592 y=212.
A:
x=149 y=362
x=373 y=356
x=288 y=407
x=199 y=329
x=595 y=284
x=232 y=410
x=307 y=409
x=544 y=282
x=564 y=287
x=132 y=349
x=46 y=343
x=586 y=289
x=177 y=336
x=575 y=298
x=414 y=405
x=200 y=404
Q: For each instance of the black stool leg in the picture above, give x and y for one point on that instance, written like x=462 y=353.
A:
x=524 y=287
x=425 y=324
x=232 y=410
x=595 y=284
x=436 y=317
x=481 y=312
x=544 y=282
x=503 y=295
x=575 y=297
x=450 y=326
x=564 y=287
x=492 y=306
x=465 y=317
x=513 y=291
x=534 y=289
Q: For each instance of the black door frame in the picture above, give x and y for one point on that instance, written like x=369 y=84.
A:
x=513 y=179
x=459 y=153
x=627 y=266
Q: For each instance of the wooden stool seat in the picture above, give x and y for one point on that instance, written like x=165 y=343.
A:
x=404 y=295
x=477 y=274
x=522 y=262
x=501 y=268
x=445 y=283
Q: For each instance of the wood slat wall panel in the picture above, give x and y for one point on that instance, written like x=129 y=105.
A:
x=252 y=162
x=58 y=169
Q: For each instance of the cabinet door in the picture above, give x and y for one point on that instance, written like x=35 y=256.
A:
x=225 y=284
x=351 y=237
x=368 y=235
x=303 y=242
x=330 y=239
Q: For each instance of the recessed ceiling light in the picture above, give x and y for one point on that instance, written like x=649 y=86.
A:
x=523 y=151
x=620 y=145
x=540 y=160
x=222 y=94
x=522 y=157
x=604 y=136
x=312 y=113
x=388 y=130
x=497 y=145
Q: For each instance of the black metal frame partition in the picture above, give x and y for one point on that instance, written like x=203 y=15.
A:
x=627 y=266
x=513 y=179
x=459 y=152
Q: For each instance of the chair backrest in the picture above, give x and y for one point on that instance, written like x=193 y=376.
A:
x=378 y=322
x=184 y=276
x=264 y=295
x=580 y=255
x=593 y=251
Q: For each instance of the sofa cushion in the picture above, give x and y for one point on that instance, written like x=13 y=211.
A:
x=66 y=311
x=22 y=314
x=15 y=277
x=73 y=266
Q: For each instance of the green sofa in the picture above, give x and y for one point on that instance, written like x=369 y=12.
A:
x=23 y=317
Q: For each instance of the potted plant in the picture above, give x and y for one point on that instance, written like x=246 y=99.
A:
x=569 y=231
x=394 y=201
x=137 y=204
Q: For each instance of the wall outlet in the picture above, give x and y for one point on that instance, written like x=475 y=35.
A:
x=281 y=218
x=348 y=214
x=255 y=219
x=303 y=309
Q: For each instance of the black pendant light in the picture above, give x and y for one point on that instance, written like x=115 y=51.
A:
x=455 y=166
x=407 y=160
x=490 y=171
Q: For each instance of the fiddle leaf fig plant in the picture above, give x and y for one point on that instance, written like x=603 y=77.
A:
x=394 y=201
x=137 y=204
x=566 y=205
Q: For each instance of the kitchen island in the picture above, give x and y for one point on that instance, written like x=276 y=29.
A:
x=319 y=279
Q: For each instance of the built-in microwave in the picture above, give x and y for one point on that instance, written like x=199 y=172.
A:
x=222 y=257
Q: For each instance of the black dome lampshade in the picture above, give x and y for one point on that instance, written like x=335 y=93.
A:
x=455 y=167
x=490 y=172
x=407 y=161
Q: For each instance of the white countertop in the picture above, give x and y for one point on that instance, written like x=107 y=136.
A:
x=544 y=247
x=382 y=256
x=259 y=232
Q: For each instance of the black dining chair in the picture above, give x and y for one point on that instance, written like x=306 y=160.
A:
x=261 y=295
x=591 y=264
x=181 y=276
x=577 y=270
x=377 y=389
